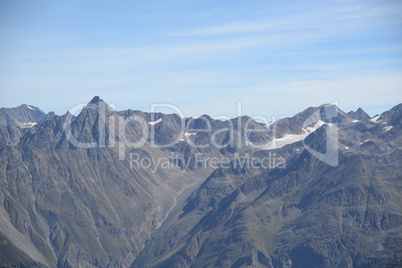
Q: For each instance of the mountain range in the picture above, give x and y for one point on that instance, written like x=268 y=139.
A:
x=106 y=188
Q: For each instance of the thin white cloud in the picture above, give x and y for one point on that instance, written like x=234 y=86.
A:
x=331 y=19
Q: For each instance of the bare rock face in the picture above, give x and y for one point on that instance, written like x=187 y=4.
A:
x=24 y=116
x=360 y=114
x=74 y=192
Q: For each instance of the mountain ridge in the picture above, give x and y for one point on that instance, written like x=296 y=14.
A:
x=96 y=206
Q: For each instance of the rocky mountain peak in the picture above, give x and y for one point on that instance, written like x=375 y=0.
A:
x=95 y=100
x=98 y=104
x=359 y=114
x=22 y=116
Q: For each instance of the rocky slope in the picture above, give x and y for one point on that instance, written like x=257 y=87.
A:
x=73 y=195
x=23 y=116
x=309 y=214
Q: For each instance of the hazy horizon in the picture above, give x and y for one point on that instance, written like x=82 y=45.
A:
x=233 y=114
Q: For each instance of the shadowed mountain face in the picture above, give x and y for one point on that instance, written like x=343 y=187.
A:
x=109 y=188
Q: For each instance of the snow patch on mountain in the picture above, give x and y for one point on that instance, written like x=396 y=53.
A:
x=152 y=123
x=364 y=141
x=29 y=124
x=292 y=138
x=375 y=118
x=317 y=125
x=388 y=128
x=285 y=140
x=187 y=135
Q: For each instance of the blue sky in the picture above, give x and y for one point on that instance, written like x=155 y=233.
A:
x=276 y=57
